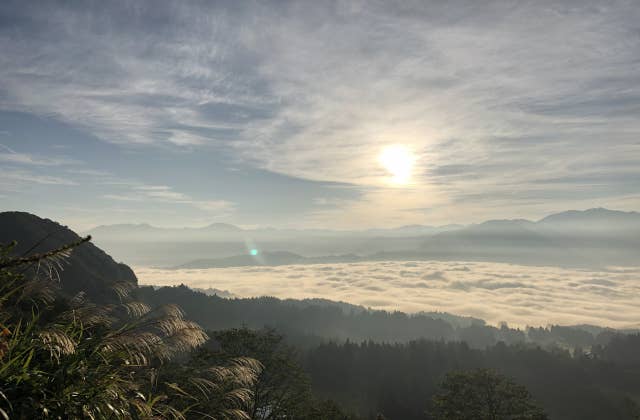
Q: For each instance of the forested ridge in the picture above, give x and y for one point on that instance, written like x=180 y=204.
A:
x=401 y=379
x=312 y=322
x=394 y=363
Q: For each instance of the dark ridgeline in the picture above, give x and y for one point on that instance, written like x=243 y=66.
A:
x=88 y=269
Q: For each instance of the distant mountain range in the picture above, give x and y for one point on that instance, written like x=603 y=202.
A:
x=270 y=259
x=146 y=245
x=597 y=219
x=223 y=231
x=594 y=237
x=143 y=231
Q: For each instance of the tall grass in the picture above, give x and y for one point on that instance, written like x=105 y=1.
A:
x=65 y=357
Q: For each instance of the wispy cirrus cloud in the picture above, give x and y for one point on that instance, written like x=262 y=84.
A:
x=136 y=83
x=7 y=155
x=166 y=194
x=14 y=178
x=510 y=108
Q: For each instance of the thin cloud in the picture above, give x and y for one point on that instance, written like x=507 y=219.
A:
x=13 y=178
x=165 y=194
x=7 y=155
x=501 y=114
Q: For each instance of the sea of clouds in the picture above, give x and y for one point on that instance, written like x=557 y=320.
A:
x=495 y=292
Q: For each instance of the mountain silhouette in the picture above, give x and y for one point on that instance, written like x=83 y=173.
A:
x=594 y=237
x=89 y=269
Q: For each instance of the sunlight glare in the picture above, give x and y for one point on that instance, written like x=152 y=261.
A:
x=398 y=160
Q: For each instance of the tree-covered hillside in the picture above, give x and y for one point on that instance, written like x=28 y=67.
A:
x=312 y=322
x=400 y=380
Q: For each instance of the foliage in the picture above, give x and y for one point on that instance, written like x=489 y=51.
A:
x=328 y=410
x=64 y=357
x=399 y=380
x=483 y=394
x=282 y=390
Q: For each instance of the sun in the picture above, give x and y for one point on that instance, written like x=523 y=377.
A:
x=398 y=160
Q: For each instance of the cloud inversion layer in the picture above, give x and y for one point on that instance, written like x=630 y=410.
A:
x=519 y=295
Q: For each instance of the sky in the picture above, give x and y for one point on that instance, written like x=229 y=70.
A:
x=335 y=114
